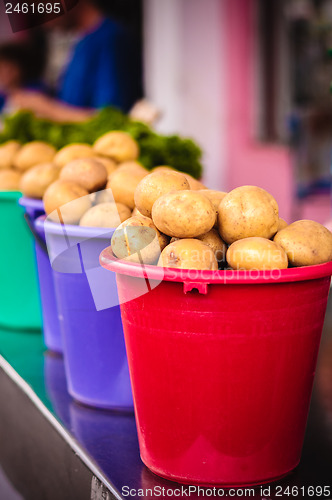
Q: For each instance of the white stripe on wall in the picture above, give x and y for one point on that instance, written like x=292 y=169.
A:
x=185 y=75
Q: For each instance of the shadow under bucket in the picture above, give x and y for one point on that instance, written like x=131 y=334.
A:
x=94 y=348
x=19 y=292
x=51 y=328
x=222 y=366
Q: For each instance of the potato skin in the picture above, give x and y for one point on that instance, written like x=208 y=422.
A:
x=105 y=215
x=103 y=196
x=132 y=166
x=123 y=183
x=188 y=253
x=281 y=224
x=183 y=214
x=117 y=145
x=194 y=184
x=9 y=180
x=136 y=212
x=73 y=152
x=8 y=151
x=108 y=163
x=90 y=174
x=215 y=197
x=61 y=193
x=256 y=253
x=247 y=211
x=33 y=153
x=163 y=168
x=155 y=185
x=138 y=240
x=213 y=240
x=306 y=243
x=36 y=180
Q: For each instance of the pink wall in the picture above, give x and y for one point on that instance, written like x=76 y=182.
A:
x=249 y=161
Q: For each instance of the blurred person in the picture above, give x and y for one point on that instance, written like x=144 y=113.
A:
x=103 y=69
x=20 y=68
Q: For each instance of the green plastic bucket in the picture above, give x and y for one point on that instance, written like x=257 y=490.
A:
x=19 y=292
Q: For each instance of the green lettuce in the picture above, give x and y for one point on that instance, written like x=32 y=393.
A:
x=155 y=149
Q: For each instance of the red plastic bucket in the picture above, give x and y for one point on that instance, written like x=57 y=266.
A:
x=222 y=365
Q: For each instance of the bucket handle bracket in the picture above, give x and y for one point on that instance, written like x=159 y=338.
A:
x=202 y=288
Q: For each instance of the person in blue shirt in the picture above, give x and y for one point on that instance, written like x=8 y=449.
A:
x=103 y=70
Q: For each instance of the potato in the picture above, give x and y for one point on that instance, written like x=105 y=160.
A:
x=188 y=254
x=281 y=224
x=138 y=240
x=8 y=151
x=9 y=180
x=183 y=214
x=36 y=180
x=247 y=211
x=306 y=243
x=66 y=202
x=105 y=215
x=109 y=164
x=73 y=152
x=33 y=153
x=136 y=212
x=132 y=166
x=213 y=240
x=215 y=197
x=104 y=196
x=117 y=145
x=194 y=184
x=163 y=168
x=155 y=185
x=90 y=174
x=256 y=253
x=123 y=183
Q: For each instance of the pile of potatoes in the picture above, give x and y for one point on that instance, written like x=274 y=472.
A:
x=32 y=168
x=162 y=217
x=96 y=184
x=73 y=175
x=17 y=160
x=177 y=226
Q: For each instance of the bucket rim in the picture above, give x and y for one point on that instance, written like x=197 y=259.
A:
x=85 y=232
x=27 y=202
x=10 y=195
x=151 y=272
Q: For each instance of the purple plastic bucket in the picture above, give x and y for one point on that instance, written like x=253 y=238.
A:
x=51 y=327
x=94 y=348
x=34 y=208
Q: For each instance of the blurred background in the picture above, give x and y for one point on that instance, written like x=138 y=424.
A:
x=249 y=80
